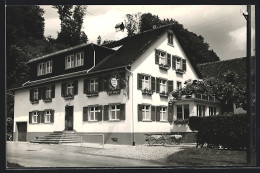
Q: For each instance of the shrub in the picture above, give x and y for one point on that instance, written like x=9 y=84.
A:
x=226 y=131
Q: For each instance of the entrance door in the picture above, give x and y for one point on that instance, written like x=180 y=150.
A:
x=22 y=131
x=69 y=118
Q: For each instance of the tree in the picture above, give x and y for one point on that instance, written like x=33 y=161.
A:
x=99 y=40
x=149 y=21
x=132 y=23
x=107 y=41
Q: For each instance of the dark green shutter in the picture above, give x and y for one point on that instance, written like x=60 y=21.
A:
x=139 y=81
x=170 y=86
x=41 y=113
x=122 y=112
x=170 y=113
x=31 y=95
x=43 y=92
x=75 y=83
x=184 y=64
x=63 y=89
x=100 y=113
x=173 y=62
x=156 y=56
x=38 y=117
x=157 y=85
x=100 y=84
x=85 y=113
x=52 y=116
x=106 y=109
x=153 y=113
x=169 y=59
x=140 y=113
x=40 y=90
x=53 y=91
x=106 y=84
x=85 y=83
x=30 y=117
x=153 y=83
x=157 y=113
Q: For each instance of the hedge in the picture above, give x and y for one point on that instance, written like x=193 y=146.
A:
x=226 y=131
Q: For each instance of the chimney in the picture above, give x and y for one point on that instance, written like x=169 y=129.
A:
x=120 y=31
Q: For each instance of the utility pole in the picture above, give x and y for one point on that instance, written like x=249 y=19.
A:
x=251 y=157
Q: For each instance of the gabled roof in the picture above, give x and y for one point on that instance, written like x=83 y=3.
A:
x=220 y=68
x=132 y=47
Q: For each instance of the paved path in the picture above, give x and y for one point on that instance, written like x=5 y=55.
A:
x=36 y=155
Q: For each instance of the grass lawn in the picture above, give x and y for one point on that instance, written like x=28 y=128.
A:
x=207 y=157
x=13 y=165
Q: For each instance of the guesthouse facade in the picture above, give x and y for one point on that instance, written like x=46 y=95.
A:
x=121 y=90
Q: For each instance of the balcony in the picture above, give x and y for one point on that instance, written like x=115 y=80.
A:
x=164 y=67
x=202 y=97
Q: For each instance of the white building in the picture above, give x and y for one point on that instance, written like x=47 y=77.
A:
x=121 y=93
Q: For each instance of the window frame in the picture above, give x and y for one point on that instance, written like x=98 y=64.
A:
x=214 y=111
x=68 y=88
x=163 y=113
x=162 y=58
x=93 y=82
x=36 y=116
x=162 y=83
x=79 y=55
x=146 y=82
x=170 y=38
x=182 y=111
x=117 y=112
x=199 y=110
x=48 y=69
x=48 y=92
x=41 y=69
x=47 y=115
x=179 y=85
x=146 y=113
x=96 y=112
x=70 y=64
x=178 y=64
x=36 y=94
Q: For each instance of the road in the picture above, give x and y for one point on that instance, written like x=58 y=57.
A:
x=36 y=155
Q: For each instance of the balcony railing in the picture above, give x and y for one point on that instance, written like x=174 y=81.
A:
x=199 y=97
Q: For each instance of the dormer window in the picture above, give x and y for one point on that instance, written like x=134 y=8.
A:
x=44 y=68
x=76 y=60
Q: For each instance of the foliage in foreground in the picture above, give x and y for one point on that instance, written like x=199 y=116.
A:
x=226 y=131
x=13 y=165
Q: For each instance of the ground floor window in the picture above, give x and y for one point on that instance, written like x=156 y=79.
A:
x=47 y=116
x=183 y=111
x=201 y=110
x=35 y=117
x=114 y=112
x=212 y=111
x=93 y=113
x=163 y=114
x=146 y=112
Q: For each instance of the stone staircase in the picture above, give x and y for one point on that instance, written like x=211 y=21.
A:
x=58 y=137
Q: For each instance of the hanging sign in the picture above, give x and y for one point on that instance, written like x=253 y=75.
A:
x=114 y=82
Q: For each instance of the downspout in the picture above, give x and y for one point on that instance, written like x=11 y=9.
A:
x=94 y=59
x=132 y=117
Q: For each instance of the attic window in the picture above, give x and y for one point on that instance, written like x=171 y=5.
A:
x=170 y=38
x=76 y=60
x=44 y=68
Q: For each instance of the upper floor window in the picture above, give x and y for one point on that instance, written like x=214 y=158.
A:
x=179 y=85
x=162 y=86
x=170 y=38
x=179 y=64
x=76 y=60
x=146 y=83
x=48 y=92
x=44 y=68
x=69 y=89
x=163 y=59
x=93 y=85
x=36 y=94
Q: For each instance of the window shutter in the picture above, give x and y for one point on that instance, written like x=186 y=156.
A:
x=170 y=113
x=41 y=114
x=40 y=90
x=39 y=117
x=122 y=112
x=85 y=83
x=106 y=84
x=169 y=59
x=31 y=95
x=85 y=113
x=106 y=107
x=153 y=113
x=170 y=86
x=63 y=89
x=30 y=117
x=157 y=85
x=153 y=83
x=100 y=113
x=173 y=62
x=157 y=113
x=53 y=91
x=140 y=114
x=184 y=64
x=100 y=84
x=52 y=116
x=75 y=83
x=156 y=56
x=139 y=81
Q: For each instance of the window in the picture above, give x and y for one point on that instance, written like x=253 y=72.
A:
x=212 y=111
x=114 y=112
x=48 y=92
x=70 y=88
x=183 y=112
x=201 y=110
x=170 y=38
x=178 y=63
x=146 y=82
x=163 y=115
x=35 y=117
x=162 y=58
x=47 y=116
x=69 y=61
x=41 y=69
x=36 y=94
x=79 y=59
x=93 y=85
x=179 y=85
x=48 y=67
x=162 y=86
x=146 y=115
x=93 y=113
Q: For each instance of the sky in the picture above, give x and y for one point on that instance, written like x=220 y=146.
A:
x=222 y=26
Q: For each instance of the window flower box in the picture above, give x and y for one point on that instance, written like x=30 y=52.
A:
x=165 y=67
x=69 y=96
x=35 y=101
x=47 y=100
x=181 y=122
x=147 y=91
x=163 y=94
x=113 y=91
x=180 y=71
x=92 y=94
